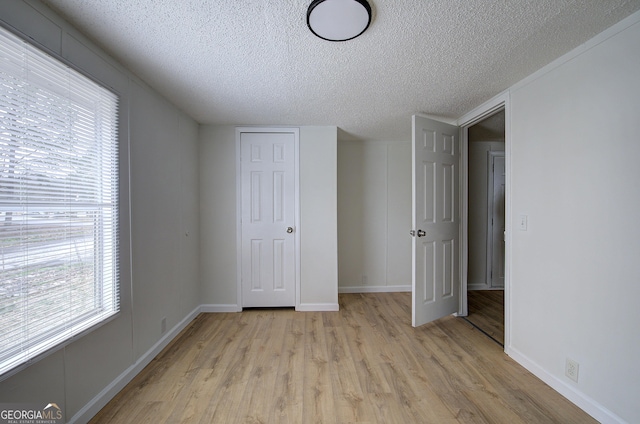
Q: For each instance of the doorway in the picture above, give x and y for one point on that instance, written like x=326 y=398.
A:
x=486 y=225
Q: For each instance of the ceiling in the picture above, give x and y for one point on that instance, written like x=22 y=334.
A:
x=255 y=62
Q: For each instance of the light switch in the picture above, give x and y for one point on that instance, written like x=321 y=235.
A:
x=522 y=223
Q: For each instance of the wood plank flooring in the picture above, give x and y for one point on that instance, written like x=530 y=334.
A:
x=363 y=364
x=486 y=311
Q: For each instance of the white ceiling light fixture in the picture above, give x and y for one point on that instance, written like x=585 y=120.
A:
x=338 y=20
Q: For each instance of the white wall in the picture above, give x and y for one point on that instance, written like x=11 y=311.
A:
x=477 y=230
x=159 y=268
x=374 y=216
x=218 y=250
x=575 y=274
x=318 y=218
x=164 y=189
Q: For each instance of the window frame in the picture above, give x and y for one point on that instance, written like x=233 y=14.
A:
x=93 y=319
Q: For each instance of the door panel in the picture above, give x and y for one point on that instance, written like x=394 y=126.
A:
x=435 y=251
x=256 y=265
x=428 y=208
x=268 y=260
x=427 y=253
x=448 y=192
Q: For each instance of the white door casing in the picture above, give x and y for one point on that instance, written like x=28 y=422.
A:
x=268 y=236
x=490 y=107
x=435 y=220
x=496 y=219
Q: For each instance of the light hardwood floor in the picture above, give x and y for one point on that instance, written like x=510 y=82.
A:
x=486 y=311
x=364 y=364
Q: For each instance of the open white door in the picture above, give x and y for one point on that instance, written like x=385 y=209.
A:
x=436 y=228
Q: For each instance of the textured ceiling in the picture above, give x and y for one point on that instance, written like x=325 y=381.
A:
x=256 y=62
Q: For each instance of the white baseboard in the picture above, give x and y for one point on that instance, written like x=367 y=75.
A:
x=223 y=308
x=582 y=401
x=101 y=399
x=374 y=289
x=318 y=307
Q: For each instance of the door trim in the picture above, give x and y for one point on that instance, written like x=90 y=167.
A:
x=500 y=101
x=296 y=158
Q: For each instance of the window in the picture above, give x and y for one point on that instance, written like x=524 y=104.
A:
x=58 y=202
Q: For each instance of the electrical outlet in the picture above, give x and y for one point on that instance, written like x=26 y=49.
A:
x=163 y=325
x=571 y=369
x=365 y=280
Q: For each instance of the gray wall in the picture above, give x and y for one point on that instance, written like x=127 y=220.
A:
x=374 y=216
x=159 y=263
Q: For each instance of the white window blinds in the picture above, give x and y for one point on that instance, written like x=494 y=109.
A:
x=58 y=202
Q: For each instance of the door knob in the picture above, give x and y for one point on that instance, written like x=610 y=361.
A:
x=421 y=233
x=289 y=230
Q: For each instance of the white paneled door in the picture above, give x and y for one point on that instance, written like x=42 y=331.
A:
x=435 y=221
x=268 y=219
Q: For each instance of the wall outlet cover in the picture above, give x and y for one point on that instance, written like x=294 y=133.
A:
x=571 y=369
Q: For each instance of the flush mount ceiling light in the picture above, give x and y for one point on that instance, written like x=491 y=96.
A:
x=338 y=20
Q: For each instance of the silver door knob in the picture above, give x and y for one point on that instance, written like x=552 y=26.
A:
x=289 y=230
x=421 y=233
